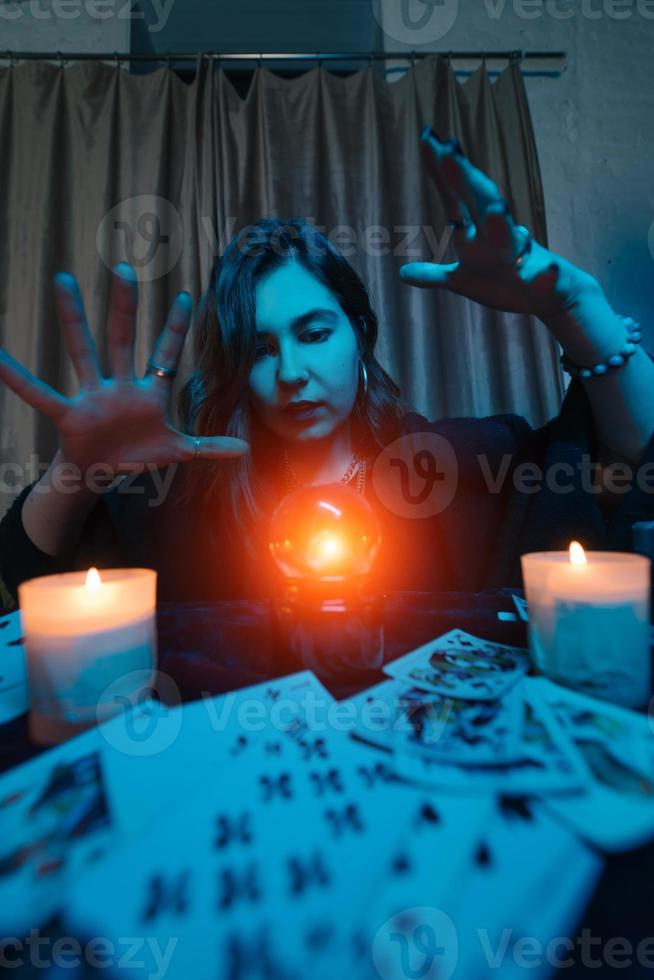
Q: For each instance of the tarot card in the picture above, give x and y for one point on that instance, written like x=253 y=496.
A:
x=617 y=746
x=55 y=816
x=462 y=666
x=404 y=718
x=522 y=607
x=14 y=693
x=194 y=740
x=456 y=896
x=547 y=761
x=502 y=902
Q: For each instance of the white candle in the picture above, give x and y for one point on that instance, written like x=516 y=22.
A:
x=589 y=621
x=89 y=638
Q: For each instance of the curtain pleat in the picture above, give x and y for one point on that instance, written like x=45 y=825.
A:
x=101 y=166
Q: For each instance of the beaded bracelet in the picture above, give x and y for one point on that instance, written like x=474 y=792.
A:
x=635 y=335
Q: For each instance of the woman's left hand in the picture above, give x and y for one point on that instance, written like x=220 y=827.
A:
x=499 y=265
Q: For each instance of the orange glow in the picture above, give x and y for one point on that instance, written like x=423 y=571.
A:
x=326 y=551
x=324 y=532
x=93 y=580
x=577 y=554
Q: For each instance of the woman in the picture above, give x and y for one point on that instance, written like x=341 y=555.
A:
x=286 y=320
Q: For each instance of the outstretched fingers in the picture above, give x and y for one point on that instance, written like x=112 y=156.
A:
x=470 y=192
x=428 y=274
x=483 y=198
x=36 y=393
x=121 y=323
x=458 y=213
x=80 y=344
x=168 y=348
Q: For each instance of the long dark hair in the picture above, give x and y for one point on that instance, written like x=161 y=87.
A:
x=215 y=399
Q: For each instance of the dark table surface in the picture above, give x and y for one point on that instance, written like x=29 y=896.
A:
x=212 y=648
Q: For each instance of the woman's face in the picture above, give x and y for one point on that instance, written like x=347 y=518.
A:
x=306 y=350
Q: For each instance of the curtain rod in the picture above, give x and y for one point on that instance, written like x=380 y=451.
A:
x=279 y=56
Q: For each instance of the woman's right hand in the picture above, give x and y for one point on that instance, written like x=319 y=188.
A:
x=121 y=421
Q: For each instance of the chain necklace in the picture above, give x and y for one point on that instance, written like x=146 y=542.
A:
x=359 y=465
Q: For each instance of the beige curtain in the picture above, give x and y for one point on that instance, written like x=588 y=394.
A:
x=99 y=165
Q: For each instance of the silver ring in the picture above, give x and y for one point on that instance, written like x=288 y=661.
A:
x=160 y=372
x=196 y=447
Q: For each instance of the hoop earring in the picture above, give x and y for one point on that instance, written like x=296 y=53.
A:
x=364 y=377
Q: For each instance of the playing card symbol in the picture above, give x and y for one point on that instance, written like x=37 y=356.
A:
x=483 y=856
x=401 y=864
x=371 y=775
x=251 y=956
x=303 y=874
x=232 y=831
x=281 y=786
x=166 y=896
x=239 y=746
x=234 y=887
x=428 y=814
x=313 y=747
x=516 y=807
x=318 y=937
x=343 y=820
x=324 y=782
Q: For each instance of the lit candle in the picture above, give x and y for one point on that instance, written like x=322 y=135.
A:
x=89 y=638
x=589 y=621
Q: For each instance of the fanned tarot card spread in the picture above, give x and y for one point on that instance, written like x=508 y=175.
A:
x=14 y=695
x=296 y=860
x=462 y=666
x=278 y=860
x=72 y=804
x=248 y=832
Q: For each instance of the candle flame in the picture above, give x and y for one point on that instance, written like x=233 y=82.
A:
x=577 y=554
x=93 y=580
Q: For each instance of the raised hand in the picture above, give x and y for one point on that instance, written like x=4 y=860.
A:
x=119 y=421
x=500 y=265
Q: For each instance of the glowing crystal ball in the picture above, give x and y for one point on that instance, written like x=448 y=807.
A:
x=327 y=532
